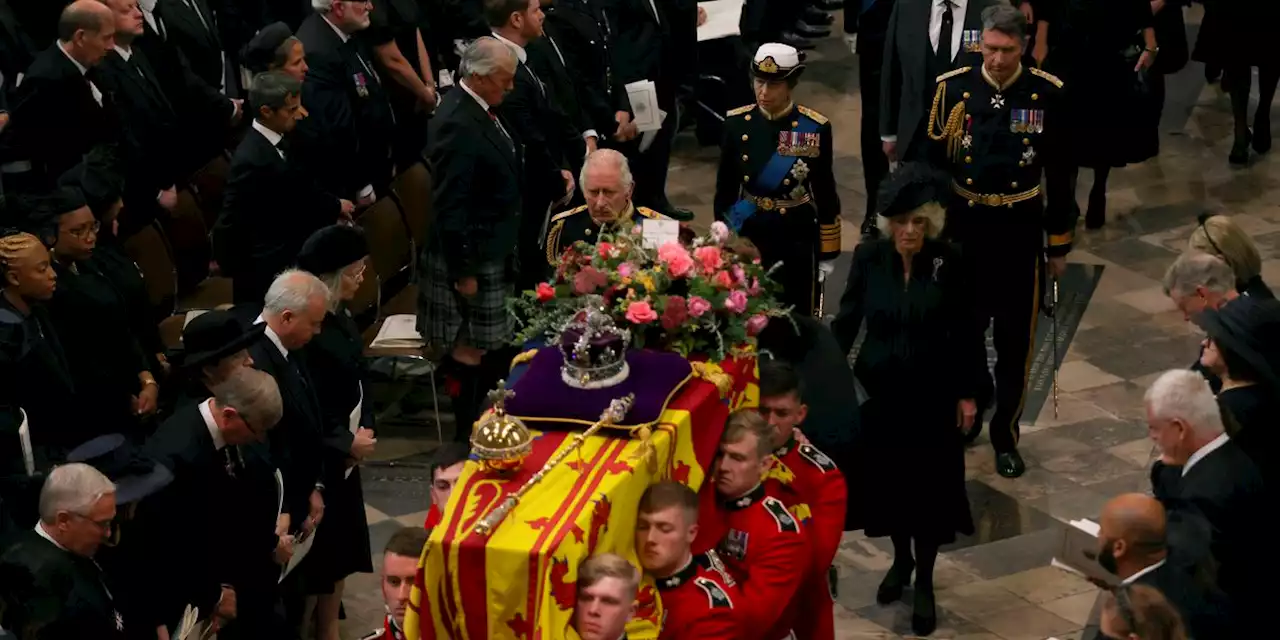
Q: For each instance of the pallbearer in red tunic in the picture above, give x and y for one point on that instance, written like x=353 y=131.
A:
x=809 y=484
x=399 y=565
x=446 y=466
x=697 y=591
x=764 y=546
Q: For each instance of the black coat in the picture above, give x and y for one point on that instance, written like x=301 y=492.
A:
x=269 y=208
x=17 y=51
x=643 y=47
x=36 y=376
x=151 y=123
x=55 y=594
x=528 y=111
x=345 y=140
x=200 y=46
x=55 y=120
x=551 y=63
x=335 y=360
x=581 y=31
x=478 y=185
x=110 y=259
x=1224 y=493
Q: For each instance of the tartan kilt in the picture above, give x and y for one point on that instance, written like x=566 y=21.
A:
x=445 y=318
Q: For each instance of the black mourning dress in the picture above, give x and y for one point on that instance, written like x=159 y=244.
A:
x=922 y=353
x=335 y=360
x=110 y=259
x=1255 y=409
x=36 y=377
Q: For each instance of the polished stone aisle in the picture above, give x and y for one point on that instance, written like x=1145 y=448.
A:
x=997 y=584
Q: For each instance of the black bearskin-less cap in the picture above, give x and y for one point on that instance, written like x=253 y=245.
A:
x=261 y=50
x=912 y=186
x=332 y=249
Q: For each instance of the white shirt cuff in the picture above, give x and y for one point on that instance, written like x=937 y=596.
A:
x=590 y=133
x=888 y=138
x=366 y=191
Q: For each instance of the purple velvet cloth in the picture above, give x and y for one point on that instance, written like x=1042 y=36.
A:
x=541 y=394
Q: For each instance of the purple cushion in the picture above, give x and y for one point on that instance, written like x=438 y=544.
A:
x=545 y=402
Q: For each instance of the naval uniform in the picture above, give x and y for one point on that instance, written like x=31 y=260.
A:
x=576 y=225
x=993 y=141
x=775 y=187
x=698 y=601
x=765 y=551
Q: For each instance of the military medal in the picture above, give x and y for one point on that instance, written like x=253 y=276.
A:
x=937 y=264
x=362 y=88
x=1029 y=155
x=967 y=140
x=800 y=170
x=1035 y=121
x=971 y=39
x=997 y=101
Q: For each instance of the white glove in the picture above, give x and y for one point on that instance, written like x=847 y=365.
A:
x=826 y=268
x=851 y=41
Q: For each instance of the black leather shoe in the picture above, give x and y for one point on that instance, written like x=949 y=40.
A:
x=678 y=214
x=1262 y=134
x=1240 y=150
x=924 y=612
x=1096 y=216
x=829 y=5
x=1010 y=464
x=814 y=15
x=890 y=589
x=810 y=31
x=792 y=39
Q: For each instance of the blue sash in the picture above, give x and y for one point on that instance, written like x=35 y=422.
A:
x=770 y=178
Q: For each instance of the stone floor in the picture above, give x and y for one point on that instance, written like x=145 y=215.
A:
x=996 y=584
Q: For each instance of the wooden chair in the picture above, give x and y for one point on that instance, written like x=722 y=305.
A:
x=412 y=189
x=150 y=251
x=207 y=185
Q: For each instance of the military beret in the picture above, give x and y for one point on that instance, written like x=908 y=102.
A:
x=260 y=52
x=332 y=248
x=912 y=186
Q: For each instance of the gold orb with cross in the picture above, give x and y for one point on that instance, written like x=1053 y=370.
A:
x=501 y=442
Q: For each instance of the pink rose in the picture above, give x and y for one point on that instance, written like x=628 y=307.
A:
x=625 y=270
x=755 y=286
x=739 y=276
x=736 y=302
x=677 y=259
x=641 y=313
x=756 y=324
x=698 y=306
x=723 y=280
x=719 y=232
x=709 y=257
x=589 y=280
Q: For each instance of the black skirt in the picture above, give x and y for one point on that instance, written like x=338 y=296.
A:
x=342 y=544
x=909 y=474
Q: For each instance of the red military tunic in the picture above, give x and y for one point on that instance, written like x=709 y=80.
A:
x=389 y=631
x=763 y=548
x=697 y=601
x=433 y=518
x=808 y=482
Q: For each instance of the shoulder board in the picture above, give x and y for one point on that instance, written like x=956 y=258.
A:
x=953 y=73
x=817 y=117
x=649 y=213
x=717 y=598
x=741 y=110
x=818 y=458
x=1047 y=76
x=712 y=562
x=786 y=522
x=565 y=214
x=375 y=634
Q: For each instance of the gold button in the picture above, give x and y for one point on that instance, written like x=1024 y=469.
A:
x=966 y=95
x=744 y=157
x=786 y=181
x=1013 y=185
x=1010 y=205
x=747 y=117
x=971 y=203
x=782 y=211
x=746 y=178
x=588 y=232
x=968 y=159
x=1035 y=96
x=795 y=123
x=744 y=137
x=1021 y=163
x=1026 y=141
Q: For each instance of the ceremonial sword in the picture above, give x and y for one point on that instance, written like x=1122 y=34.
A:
x=1054 y=338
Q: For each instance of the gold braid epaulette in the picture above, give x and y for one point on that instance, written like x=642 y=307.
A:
x=953 y=129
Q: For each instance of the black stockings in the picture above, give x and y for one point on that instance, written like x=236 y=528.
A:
x=925 y=556
x=1239 y=84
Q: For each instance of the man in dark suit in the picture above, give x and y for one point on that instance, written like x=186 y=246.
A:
x=1205 y=480
x=866 y=25
x=270 y=206
x=553 y=64
x=224 y=496
x=50 y=586
x=17 y=50
x=192 y=28
x=580 y=32
x=58 y=113
x=476 y=157
x=923 y=40
x=1134 y=548
x=543 y=132
x=346 y=141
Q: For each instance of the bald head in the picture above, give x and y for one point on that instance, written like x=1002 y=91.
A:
x=1131 y=534
x=86 y=31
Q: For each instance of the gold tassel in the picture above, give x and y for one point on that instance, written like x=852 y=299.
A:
x=715 y=375
x=952 y=131
x=647 y=452
x=523 y=358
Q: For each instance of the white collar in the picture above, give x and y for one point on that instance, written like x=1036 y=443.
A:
x=483 y=105
x=1134 y=578
x=520 y=52
x=271 y=334
x=1207 y=449
x=956 y=5
x=83 y=69
x=206 y=412
x=148 y=6
x=124 y=53
x=271 y=136
x=45 y=534
x=341 y=34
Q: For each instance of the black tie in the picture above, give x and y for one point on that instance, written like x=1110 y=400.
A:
x=944 y=37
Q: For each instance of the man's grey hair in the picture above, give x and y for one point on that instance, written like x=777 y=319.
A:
x=293 y=290
x=74 y=488
x=484 y=56
x=84 y=15
x=1193 y=269
x=272 y=89
x=1002 y=17
x=606 y=157
x=254 y=394
x=1185 y=395
x=322 y=6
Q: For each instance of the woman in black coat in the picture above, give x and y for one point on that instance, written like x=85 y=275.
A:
x=335 y=360
x=1235 y=36
x=920 y=364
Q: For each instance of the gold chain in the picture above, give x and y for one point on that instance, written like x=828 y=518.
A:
x=951 y=131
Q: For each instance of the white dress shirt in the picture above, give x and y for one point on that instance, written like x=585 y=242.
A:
x=271 y=335
x=958 y=9
x=93 y=88
x=1134 y=578
x=1207 y=449
x=206 y=412
x=271 y=136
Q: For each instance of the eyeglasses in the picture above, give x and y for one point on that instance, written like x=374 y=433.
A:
x=104 y=525
x=85 y=231
x=357 y=273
